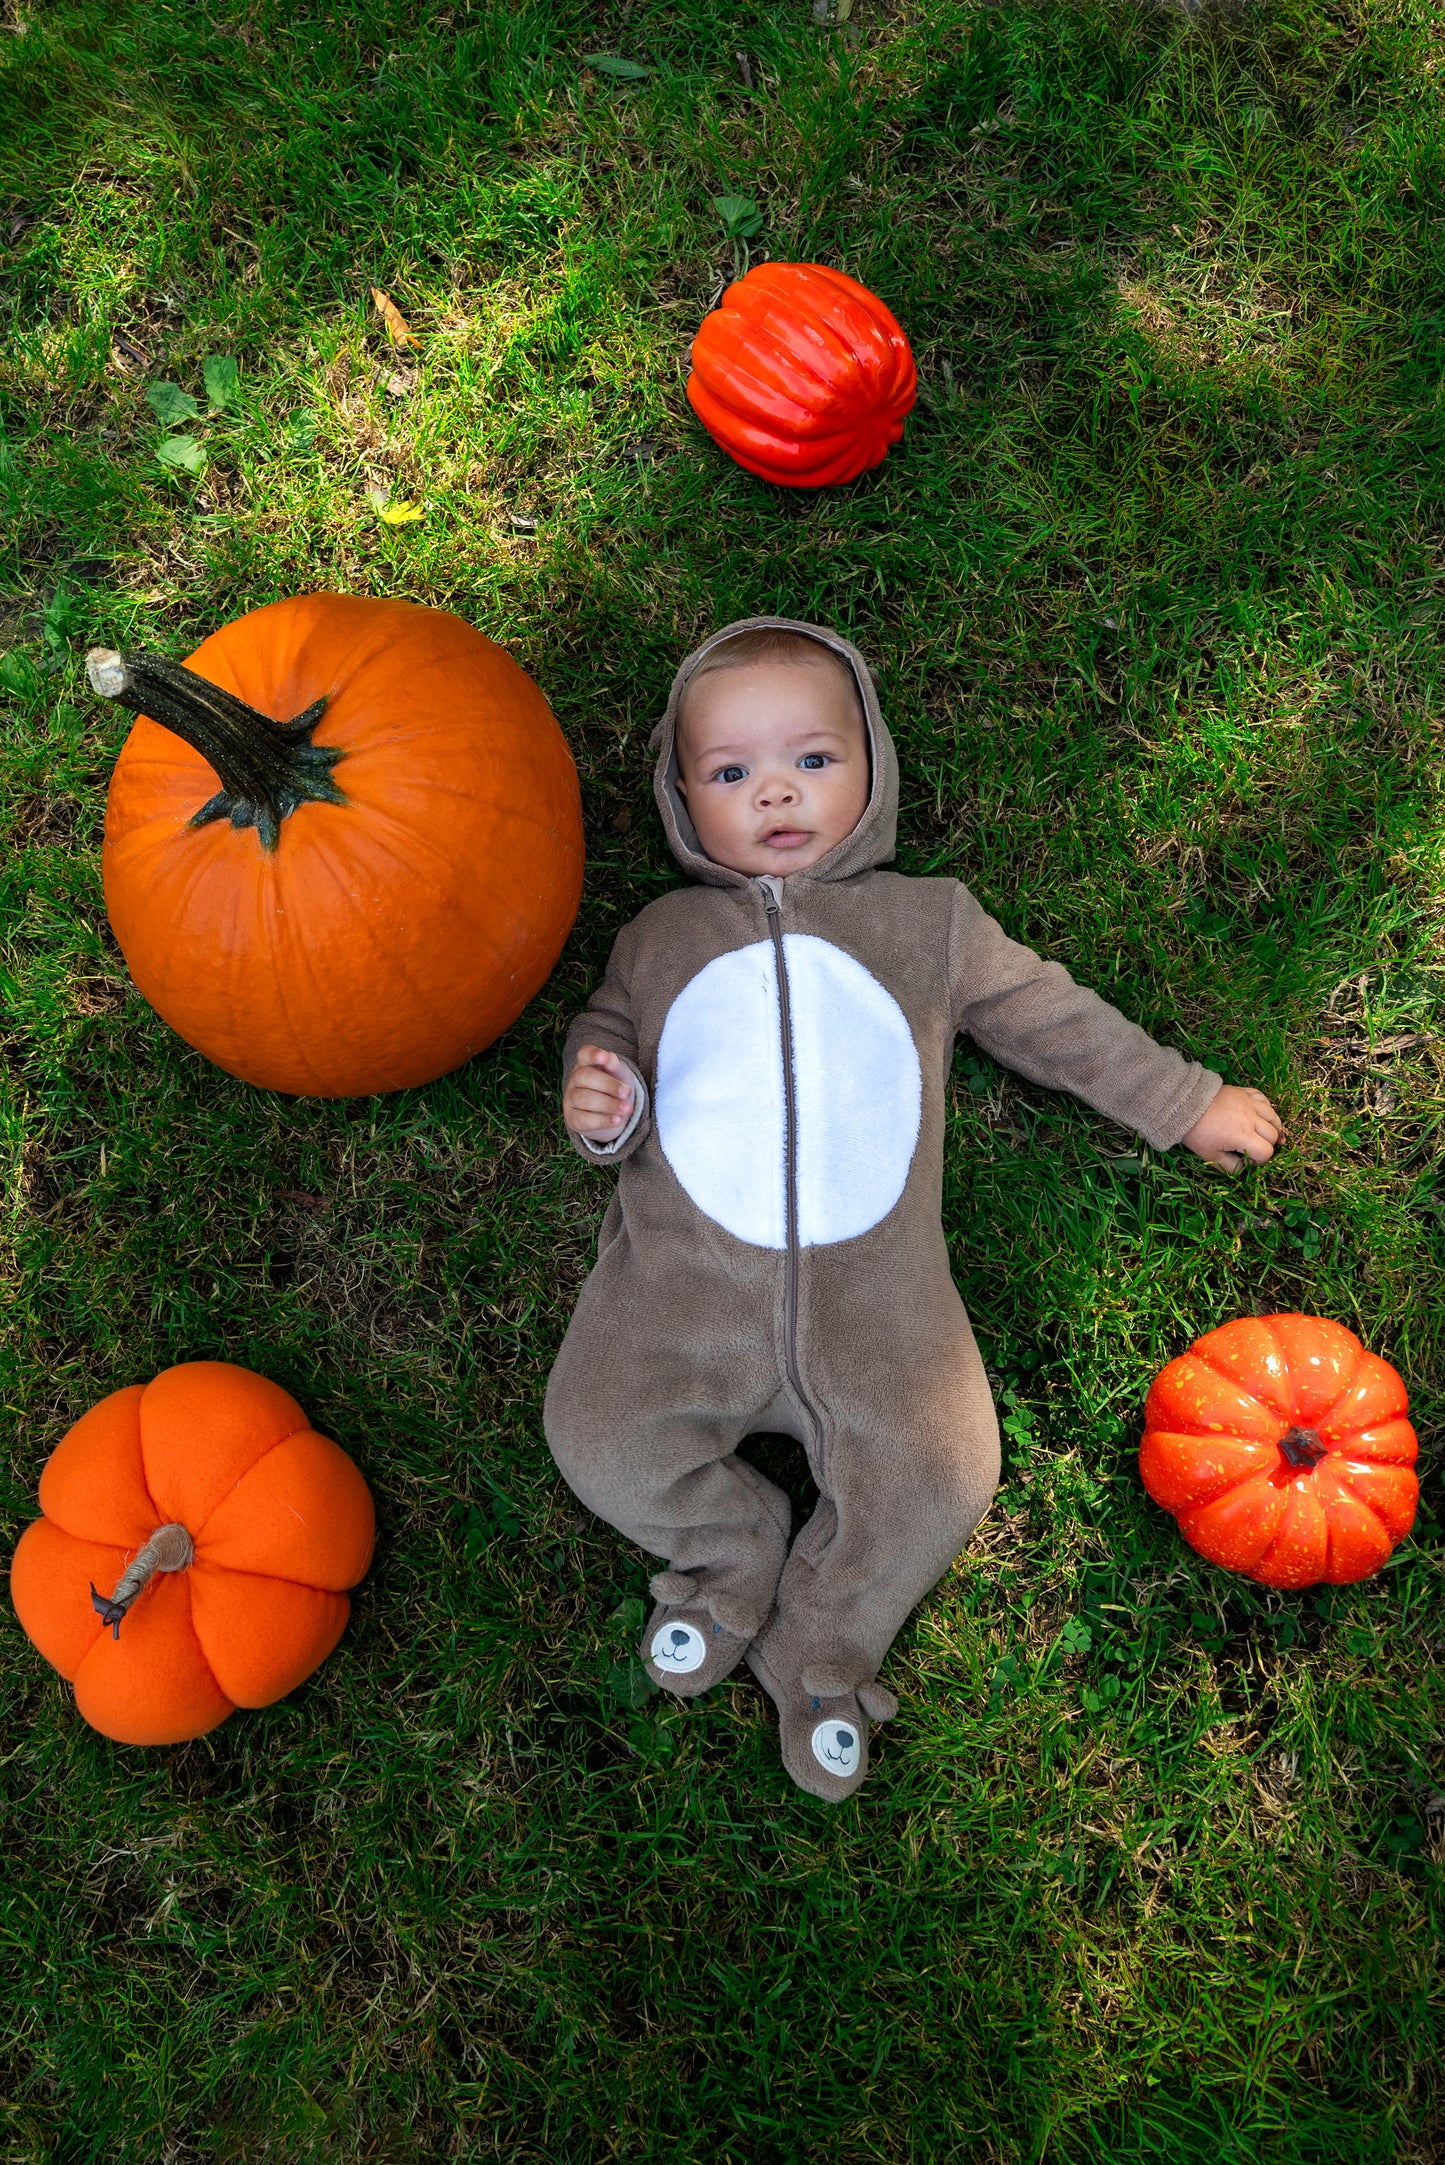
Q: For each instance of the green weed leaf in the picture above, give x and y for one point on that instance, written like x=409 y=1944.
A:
x=19 y=676
x=182 y=451
x=623 y=71
x=483 y=1523
x=171 y=405
x=1005 y=1673
x=741 y=218
x=62 y=619
x=630 y=1682
x=222 y=376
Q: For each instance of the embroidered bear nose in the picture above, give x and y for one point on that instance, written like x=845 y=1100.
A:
x=837 y=1747
x=678 y=1648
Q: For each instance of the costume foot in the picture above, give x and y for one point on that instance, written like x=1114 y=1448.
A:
x=687 y=1651
x=823 y=1732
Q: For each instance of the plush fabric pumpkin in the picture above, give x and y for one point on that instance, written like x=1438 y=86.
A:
x=389 y=866
x=802 y=375
x=194 y=1556
x=1282 y=1448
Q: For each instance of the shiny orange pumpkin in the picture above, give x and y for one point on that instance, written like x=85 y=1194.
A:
x=1282 y=1448
x=197 y=1543
x=802 y=375
x=390 y=864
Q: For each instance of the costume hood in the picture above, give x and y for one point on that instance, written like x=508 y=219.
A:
x=872 y=841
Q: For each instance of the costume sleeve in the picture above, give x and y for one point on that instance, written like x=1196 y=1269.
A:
x=606 y=1020
x=1030 y=1014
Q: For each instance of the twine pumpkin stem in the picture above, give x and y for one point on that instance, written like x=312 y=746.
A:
x=266 y=768
x=170 y=1548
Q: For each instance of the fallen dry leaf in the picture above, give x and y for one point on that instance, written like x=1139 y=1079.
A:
x=400 y=382
x=400 y=331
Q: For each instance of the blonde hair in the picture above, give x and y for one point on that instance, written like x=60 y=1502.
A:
x=771 y=644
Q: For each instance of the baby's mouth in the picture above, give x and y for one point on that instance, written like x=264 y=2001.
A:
x=786 y=838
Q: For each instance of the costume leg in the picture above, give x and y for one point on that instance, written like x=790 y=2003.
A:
x=894 y=1511
x=667 y=1475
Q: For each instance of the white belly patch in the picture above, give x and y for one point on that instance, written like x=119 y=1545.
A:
x=720 y=1106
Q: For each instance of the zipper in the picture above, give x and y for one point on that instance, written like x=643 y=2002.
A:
x=772 y=888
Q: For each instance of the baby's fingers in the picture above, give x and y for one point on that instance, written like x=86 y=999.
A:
x=598 y=1056
x=1266 y=1119
x=609 y=1101
x=1267 y=1136
x=595 y=1102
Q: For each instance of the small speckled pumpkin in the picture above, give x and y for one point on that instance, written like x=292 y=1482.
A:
x=1282 y=1448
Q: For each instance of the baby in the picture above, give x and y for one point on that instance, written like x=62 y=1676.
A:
x=767 y=1060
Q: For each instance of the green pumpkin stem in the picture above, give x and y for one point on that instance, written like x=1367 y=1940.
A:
x=170 y=1548
x=266 y=768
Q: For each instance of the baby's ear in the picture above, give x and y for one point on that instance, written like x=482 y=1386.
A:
x=679 y=785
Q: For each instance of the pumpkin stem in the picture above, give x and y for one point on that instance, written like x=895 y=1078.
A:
x=170 y=1548
x=1303 y=1446
x=266 y=768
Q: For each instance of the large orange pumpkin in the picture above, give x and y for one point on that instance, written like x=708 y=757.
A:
x=1282 y=1448
x=389 y=867
x=195 y=1552
x=802 y=375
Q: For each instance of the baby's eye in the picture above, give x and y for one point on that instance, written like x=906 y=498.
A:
x=813 y=760
x=730 y=774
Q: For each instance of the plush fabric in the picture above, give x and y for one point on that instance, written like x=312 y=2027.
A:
x=680 y=1345
x=720 y=1110
x=153 y=1684
x=280 y=1522
x=686 y=1649
x=262 y=1636
x=94 y=1482
x=203 y=1426
x=302 y=1512
x=51 y=1574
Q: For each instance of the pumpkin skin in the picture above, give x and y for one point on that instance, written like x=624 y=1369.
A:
x=802 y=375
x=385 y=939
x=282 y=1525
x=1282 y=1448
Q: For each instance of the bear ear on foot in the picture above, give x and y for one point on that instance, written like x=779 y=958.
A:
x=737 y=1614
x=877 y=1702
x=672 y=1587
x=825 y=1683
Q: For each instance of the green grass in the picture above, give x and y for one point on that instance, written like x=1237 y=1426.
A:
x=1150 y=1866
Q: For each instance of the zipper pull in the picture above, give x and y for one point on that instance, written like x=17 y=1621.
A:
x=772 y=888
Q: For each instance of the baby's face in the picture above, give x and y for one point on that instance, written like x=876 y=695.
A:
x=773 y=761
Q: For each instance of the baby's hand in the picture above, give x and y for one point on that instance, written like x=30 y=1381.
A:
x=597 y=1101
x=1239 y=1124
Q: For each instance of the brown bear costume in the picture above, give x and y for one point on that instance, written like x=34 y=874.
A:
x=773 y=1258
